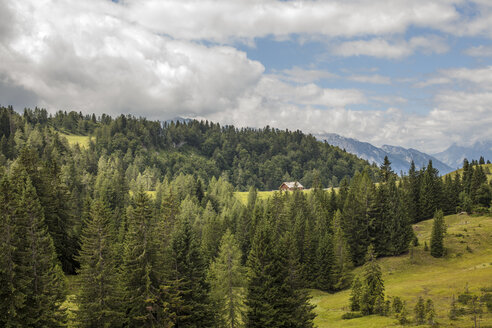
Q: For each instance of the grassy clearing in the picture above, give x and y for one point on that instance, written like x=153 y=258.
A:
x=82 y=141
x=426 y=276
x=243 y=195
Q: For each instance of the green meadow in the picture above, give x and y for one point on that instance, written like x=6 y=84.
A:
x=467 y=266
x=82 y=141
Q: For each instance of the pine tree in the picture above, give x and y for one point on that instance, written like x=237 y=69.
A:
x=227 y=283
x=430 y=192
x=274 y=296
x=356 y=216
x=211 y=233
x=11 y=295
x=420 y=311
x=325 y=261
x=42 y=281
x=373 y=286
x=385 y=169
x=403 y=315
x=294 y=309
x=413 y=194
x=430 y=313
x=100 y=298
x=437 y=236
x=356 y=295
x=343 y=262
x=261 y=279
x=186 y=279
x=140 y=272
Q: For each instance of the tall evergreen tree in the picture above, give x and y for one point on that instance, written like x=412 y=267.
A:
x=412 y=192
x=42 y=281
x=385 y=169
x=227 y=282
x=274 y=296
x=430 y=192
x=10 y=285
x=186 y=279
x=356 y=295
x=437 y=236
x=356 y=216
x=141 y=265
x=373 y=286
x=343 y=261
x=100 y=297
x=325 y=262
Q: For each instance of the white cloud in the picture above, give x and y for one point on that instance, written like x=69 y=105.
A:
x=481 y=78
x=86 y=56
x=222 y=21
x=271 y=89
x=479 y=51
x=299 y=75
x=382 y=48
x=375 y=79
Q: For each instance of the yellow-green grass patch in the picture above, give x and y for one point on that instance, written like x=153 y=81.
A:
x=410 y=276
x=82 y=141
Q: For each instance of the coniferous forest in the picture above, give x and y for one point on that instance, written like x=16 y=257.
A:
x=145 y=218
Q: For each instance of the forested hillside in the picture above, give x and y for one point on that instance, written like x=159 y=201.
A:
x=262 y=158
x=193 y=254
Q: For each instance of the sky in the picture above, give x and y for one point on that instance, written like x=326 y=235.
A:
x=408 y=73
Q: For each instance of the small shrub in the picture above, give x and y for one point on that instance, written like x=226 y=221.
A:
x=468 y=249
x=464 y=298
x=351 y=315
x=397 y=304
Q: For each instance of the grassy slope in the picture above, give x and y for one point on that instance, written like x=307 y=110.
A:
x=437 y=279
x=485 y=166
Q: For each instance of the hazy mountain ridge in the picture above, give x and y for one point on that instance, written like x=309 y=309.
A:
x=399 y=157
x=455 y=154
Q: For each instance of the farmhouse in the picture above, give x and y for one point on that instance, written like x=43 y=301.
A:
x=291 y=186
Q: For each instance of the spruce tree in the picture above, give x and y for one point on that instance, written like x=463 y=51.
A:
x=373 y=286
x=274 y=297
x=262 y=272
x=100 y=297
x=227 y=283
x=356 y=294
x=325 y=262
x=430 y=192
x=355 y=223
x=186 y=279
x=385 y=169
x=420 y=311
x=437 y=236
x=11 y=292
x=141 y=265
x=430 y=312
x=343 y=262
x=42 y=280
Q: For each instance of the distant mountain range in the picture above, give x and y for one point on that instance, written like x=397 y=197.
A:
x=399 y=157
x=454 y=155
